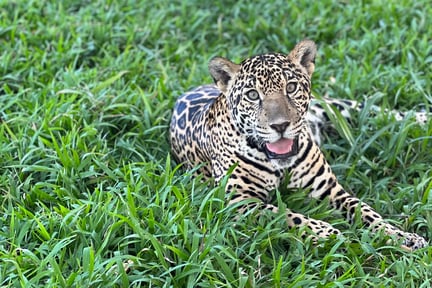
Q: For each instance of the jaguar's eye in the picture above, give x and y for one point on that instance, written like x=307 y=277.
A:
x=291 y=87
x=252 y=95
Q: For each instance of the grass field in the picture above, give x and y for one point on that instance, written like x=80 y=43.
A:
x=87 y=184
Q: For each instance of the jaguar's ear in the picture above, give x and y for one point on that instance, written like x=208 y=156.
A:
x=222 y=70
x=304 y=54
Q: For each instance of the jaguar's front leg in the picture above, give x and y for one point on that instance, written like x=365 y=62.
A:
x=319 y=229
x=252 y=184
x=323 y=183
x=349 y=204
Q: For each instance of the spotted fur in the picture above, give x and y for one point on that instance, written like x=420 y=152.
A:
x=256 y=118
x=318 y=117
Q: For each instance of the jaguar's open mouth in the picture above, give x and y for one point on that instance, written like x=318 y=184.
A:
x=281 y=149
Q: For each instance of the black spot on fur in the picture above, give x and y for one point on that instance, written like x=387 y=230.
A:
x=297 y=220
x=182 y=122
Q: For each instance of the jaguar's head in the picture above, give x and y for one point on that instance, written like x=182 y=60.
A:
x=268 y=96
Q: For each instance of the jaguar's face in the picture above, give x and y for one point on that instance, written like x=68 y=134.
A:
x=268 y=101
x=268 y=96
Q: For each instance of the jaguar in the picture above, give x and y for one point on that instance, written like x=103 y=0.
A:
x=254 y=128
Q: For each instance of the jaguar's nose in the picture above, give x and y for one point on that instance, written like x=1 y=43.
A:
x=280 y=127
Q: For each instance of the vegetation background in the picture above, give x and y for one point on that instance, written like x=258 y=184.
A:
x=91 y=198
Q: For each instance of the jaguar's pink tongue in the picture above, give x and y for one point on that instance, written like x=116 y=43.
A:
x=282 y=146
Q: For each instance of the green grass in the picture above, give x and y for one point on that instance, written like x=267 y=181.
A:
x=87 y=184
